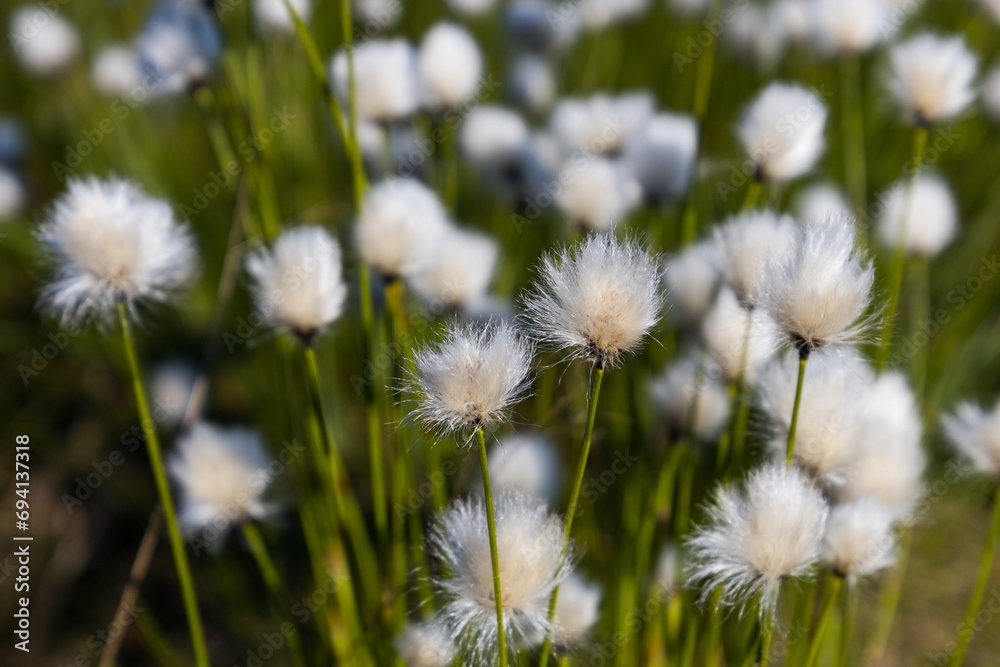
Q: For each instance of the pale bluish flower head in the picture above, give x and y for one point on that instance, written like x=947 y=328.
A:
x=533 y=83
x=116 y=70
x=472 y=378
x=733 y=347
x=598 y=300
x=818 y=292
x=42 y=40
x=528 y=463
x=975 y=434
x=493 y=135
x=298 y=284
x=921 y=215
x=222 y=476
x=385 y=79
x=273 y=17
x=427 y=644
x=577 y=610
x=459 y=270
x=782 y=131
x=683 y=387
x=531 y=25
x=450 y=66
x=597 y=193
x=932 y=77
x=600 y=124
x=745 y=243
x=859 y=539
x=769 y=530
x=691 y=279
x=170 y=388
x=844 y=27
x=179 y=46
x=531 y=559
x=796 y=17
x=821 y=201
x=661 y=157
x=111 y=243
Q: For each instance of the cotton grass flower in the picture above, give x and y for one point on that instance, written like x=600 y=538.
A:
x=273 y=17
x=116 y=70
x=450 y=66
x=111 y=244
x=975 y=434
x=222 y=475
x=179 y=46
x=298 y=284
x=661 y=157
x=473 y=9
x=859 y=539
x=739 y=341
x=533 y=83
x=43 y=42
x=530 y=26
x=577 y=610
x=459 y=270
x=683 y=389
x=473 y=377
x=921 y=215
x=843 y=27
x=769 y=530
x=782 y=131
x=691 y=279
x=12 y=194
x=601 y=124
x=821 y=201
x=668 y=575
x=597 y=194
x=932 y=77
x=170 y=387
x=492 y=135
x=428 y=644
x=532 y=562
x=598 y=300
x=528 y=463
x=819 y=291
x=385 y=79
x=744 y=245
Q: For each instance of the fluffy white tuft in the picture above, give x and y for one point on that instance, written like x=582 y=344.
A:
x=661 y=157
x=668 y=576
x=859 y=539
x=577 y=610
x=851 y=26
x=600 y=125
x=528 y=463
x=44 y=42
x=274 y=18
x=427 y=644
x=597 y=193
x=449 y=64
x=921 y=216
x=932 y=77
x=745 y=243
x=533 y=83
x=170 y=388
x=385 y=79
x=116 y=70
x=691 y=279
x=782 y=131
x=472 y=8
x=493 y=135
x=459 y=271
x=178 y=46
x=733 y=347
x=975 y=434
x=821 y=201
x=12 y=194
x=683 y=387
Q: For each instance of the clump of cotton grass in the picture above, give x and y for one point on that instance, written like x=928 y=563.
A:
x=661 y=157
x=43 y=42
x=769 y=530
x=532 y=562
x=859 y=540
x=179 y=46
x=428 y=644
x=598 y=301
x=298 y=284
x=222 y=476
x=975 y=435
x=932 y=77
x=116 y=70
x=449 y=64
x=577 y=610
x=684 y=391
x=533 y=83
x=112 y=244
x=273 y=17
x=458 y=272
x=401 y=221
x=598 y=194
x=528 y=463
x=739 y=341
x=691 y=280
x=385 y=79
x=821 y=201
x=745 y=243
x=600 y=125
x=819 y=291
x=922 y=217
x=845 y=27
x=782 y=131
x=493 y=136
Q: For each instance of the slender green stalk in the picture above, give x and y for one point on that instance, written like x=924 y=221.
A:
x=752 y=195
x=742 y=413
x=888 y=601
x=766 y=632
x=979 y=589
x=595 y=393
x=832 y=593
x=848 y=604
x=494 y=556
x=450 y=166
x=713 y=639
x=163 y=489
x=790 y=449
x=852 y=123
x=920 y=315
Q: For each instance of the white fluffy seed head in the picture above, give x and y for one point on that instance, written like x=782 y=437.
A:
x=932 y=77
x=859 y=539
x=744 y=245
x=450 y=66
x=385 y=79
x=493 y=135
x=757 y=34
x=683 y=387
x=921 y=216
x=428 y=644
x=597 y=300
x=975 y=435
x=669 y=574
x=600 y=125
x=222 y=475
x=298 y=283
x=530 y=27
x=170 y=387
x=531 y=563
x=782 y=131
x=598 y=15
x=661 y=157
x=459 y=271
x=44 y=42
x=758 y=536
x=116 y=70
x=533 y=83
x=733 y=347
x=691 y=279
x=472 y=378
x=528 y=463
x=821 y=201
x=818 y=292
x=844 y=27
x=400 y=224
x=112 y=243
x=12 y=193
x=598 y=194
x=178 y=46
x=577 y=610
x=273 y=17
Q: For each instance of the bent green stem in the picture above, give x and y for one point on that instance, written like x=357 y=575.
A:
x=494 y=556
x=833 y=592
x=790 y=448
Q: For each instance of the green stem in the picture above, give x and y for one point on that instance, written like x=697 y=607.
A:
x=742 y=404
x=790 y=449
x=982 y=579
x=703 y=84
x=766 y=632
x=163 y=489
x=595 y=392
x=846 y=622
x=752 y=195
x=450 y=166
x=852 y=123
x=494 y=556
x=833 y=592
x=888 y=601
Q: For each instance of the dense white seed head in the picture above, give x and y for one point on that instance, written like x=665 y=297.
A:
x=273 y=17
x=577 y=610
x=399 y=227
x=298 y=284
x=922 y=216
x=745 y=243
x=668 y=578
x=732 y=347
x=472 y=8
x=757 y=536
x=597 y=300
x=533 y=83
x=473 y=377
x=859 y=538
x=782 y=131
x=493 y=135
x=170 y=387
x=459 y=271
x=827 y=439
x=428 y=644
x=42 y=40
x=531 y=559
x=843 y=27
x=691 y=279
x=450 y=66
x=112 y=243
x=990 y=92
x=661 y=156
x=796 y=18
x=600 y=124
x=528 y=463
x=179 y=46
x=385 y=79
x=818 y=292
x=757 y=34
x=116 y=70
x=12 y=194
x=681 y=387
x=821 y=201
x=598 y=194
x=932 y=77
x=222 y=475
x=975 y=435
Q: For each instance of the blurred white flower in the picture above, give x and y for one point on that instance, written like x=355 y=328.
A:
x=178 y=46
x=600 y=124
x=428 y=644
x=170 y=387
x=990 y=91
x=975 y=434
x=661 y=156
x=757 y=33
x=598 y=15
x=273 y=16
x=731 y=344
x=450 y=66
x=533 y=83
x=782 y=131
x=13 y=140
x=821 y=201
x=668 y=576
x=745 y=243
x=691 y=279
x=472 y=8
x=920 y=215
x=385 y=79
x=577 y=610
x=682 y=386
x=932 y=77
x=597 y=193
x=458 y=271
x=493 y=135
x=541 y=26
x=116 y=70
x=378 y=14
x=12 y=194
x=851 y=26
x=859 y=539
x=529 y=463
x=42 y=40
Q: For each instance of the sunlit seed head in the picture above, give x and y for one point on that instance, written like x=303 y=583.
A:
x=920 y=215
x=459 y=270
x=661 y=157
x=847 y=27
x=170 y=386
x=385 y=79
x=450 y=66
x=428 y=644
x=13 y=194
x=744 y=245
x=975 y=434
x=821 y=201
x=691 y=279
x=599 y=195
x=528 y=463
x=116 y=70
x=682 y=389
x=178 y=47
x=577 y=610
x=273 y=17
x=932 y=77
x=533 y=83
x=739 y=341
x=43 y=41
x=782 y=131
x=859 y=539
x=600 y=125
x=493 y=135
x=757 y=35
